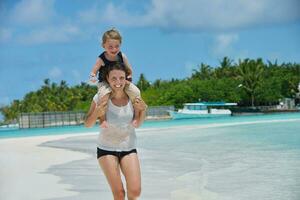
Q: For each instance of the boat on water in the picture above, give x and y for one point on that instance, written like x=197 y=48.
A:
x=202 y=110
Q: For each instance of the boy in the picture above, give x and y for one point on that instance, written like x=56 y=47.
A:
x=111 y=42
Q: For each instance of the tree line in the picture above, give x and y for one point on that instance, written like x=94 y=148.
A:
x=249 y=82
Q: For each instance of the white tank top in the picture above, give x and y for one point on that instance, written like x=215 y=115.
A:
x=120 y=134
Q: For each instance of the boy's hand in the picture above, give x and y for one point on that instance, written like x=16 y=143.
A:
x=129 y=78
x=93 y=78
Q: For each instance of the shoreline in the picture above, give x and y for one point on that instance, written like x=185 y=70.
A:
x=168 y=117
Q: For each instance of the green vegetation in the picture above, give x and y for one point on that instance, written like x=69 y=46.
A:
x=249 y=83
x=51 y=97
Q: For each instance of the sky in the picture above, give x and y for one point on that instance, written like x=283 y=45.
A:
x=162 y=39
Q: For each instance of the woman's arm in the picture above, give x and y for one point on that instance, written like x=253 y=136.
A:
x=141 y=106
x=94 y=112
x=141 y=118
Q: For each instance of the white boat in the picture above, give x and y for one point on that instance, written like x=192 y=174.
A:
x=202 y=109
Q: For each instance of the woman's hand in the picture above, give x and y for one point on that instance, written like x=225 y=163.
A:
x=101 y=106
x=139 y=104
x=97 y=109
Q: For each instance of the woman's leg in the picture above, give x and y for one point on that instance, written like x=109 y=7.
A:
x=111 y=168
x=130 y=167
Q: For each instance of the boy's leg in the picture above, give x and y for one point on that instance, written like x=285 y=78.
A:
x=132 y=91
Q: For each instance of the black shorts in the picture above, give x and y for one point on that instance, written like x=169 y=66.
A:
x=118 y=154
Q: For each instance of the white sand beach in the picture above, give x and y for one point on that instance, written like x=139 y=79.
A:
x=24 y=163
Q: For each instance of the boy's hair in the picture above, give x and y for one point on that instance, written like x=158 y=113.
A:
x=115 y=66
x=111 y=34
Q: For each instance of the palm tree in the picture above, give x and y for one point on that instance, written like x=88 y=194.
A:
x=143 y=83
x=250 y=72
x=157 y=83
x=225 y=69
x=226 y=62
x=203 y=73
x=47 y=82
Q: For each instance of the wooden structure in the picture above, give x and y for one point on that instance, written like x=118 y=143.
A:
x=50 y=119
x=53 y=119
x=159 y=112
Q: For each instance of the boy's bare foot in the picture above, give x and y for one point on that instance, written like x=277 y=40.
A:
x=104 y=124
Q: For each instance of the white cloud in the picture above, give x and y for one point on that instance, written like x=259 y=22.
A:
x=111 y=14
x=52 y=34
x=200 y=14
x=91 y=15
x=45 y=25
x=29 y=12
x=55 y=72
x=37 y=22
x=223 y=45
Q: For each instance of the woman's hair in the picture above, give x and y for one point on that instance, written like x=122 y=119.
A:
x=112 y=34
x=115 y=66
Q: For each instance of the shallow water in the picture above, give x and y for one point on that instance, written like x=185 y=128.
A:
x=15 y=132
x=252 y=161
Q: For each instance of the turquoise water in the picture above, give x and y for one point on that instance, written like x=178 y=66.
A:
x=15 y=132
x=246 y=158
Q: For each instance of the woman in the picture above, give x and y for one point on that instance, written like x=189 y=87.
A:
x=116 y=149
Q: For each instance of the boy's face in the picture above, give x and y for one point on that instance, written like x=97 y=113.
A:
x=112 y=47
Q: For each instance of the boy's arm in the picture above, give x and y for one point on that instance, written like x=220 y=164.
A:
x=126 y=62
x=96 y=67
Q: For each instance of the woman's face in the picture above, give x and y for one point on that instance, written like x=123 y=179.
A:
x=116 y=79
